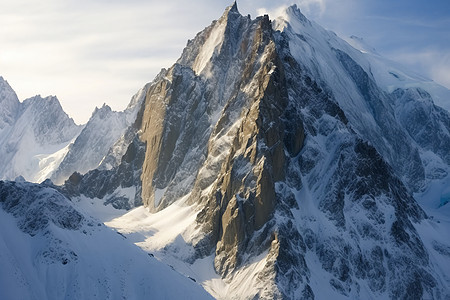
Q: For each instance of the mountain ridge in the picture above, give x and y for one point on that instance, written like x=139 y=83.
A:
x=38 y=139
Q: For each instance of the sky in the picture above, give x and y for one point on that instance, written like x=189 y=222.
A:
x=90 y=52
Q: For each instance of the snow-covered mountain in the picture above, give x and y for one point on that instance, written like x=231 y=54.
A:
x=34 y=135
x=277 y=161
x=52 y=250
x=93 y=144
x=281 y=162
x=38 y=140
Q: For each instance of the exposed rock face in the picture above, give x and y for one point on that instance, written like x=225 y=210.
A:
x=118 y=178
x=38 y=207
x=229 y=148
x=427 y=124
x=279 y=164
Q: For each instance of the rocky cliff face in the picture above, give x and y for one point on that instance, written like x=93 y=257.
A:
x=311 y=175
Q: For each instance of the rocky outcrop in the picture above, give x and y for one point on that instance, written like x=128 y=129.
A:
x=226 y=146
x=37 y=207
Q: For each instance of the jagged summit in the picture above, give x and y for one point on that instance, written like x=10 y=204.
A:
x=233 y=8
x=102 y=111
x=38 y=131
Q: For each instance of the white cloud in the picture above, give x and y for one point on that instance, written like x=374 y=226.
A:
x=313 y=7
x=434 y=63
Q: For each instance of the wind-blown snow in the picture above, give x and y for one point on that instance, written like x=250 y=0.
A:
x=212 y=43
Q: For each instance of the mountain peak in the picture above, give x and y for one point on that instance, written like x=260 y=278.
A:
x=290 y=17
x=294 y=11
x=230 y=10
x=102 y=111
x=5 y=88
x=40 y=103
x=209 y=42
x=233 y=7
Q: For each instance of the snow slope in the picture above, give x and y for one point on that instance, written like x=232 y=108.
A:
x=168 y=235
x=50 y=250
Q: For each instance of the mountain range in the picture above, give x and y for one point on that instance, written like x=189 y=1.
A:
x=273 y=160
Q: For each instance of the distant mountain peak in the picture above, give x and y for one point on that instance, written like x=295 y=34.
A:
x=101 y=112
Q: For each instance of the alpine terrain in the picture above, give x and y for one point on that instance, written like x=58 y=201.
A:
x=38 y=140
x=273 y=160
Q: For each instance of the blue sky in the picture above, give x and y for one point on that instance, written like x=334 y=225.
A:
x=88 y=52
